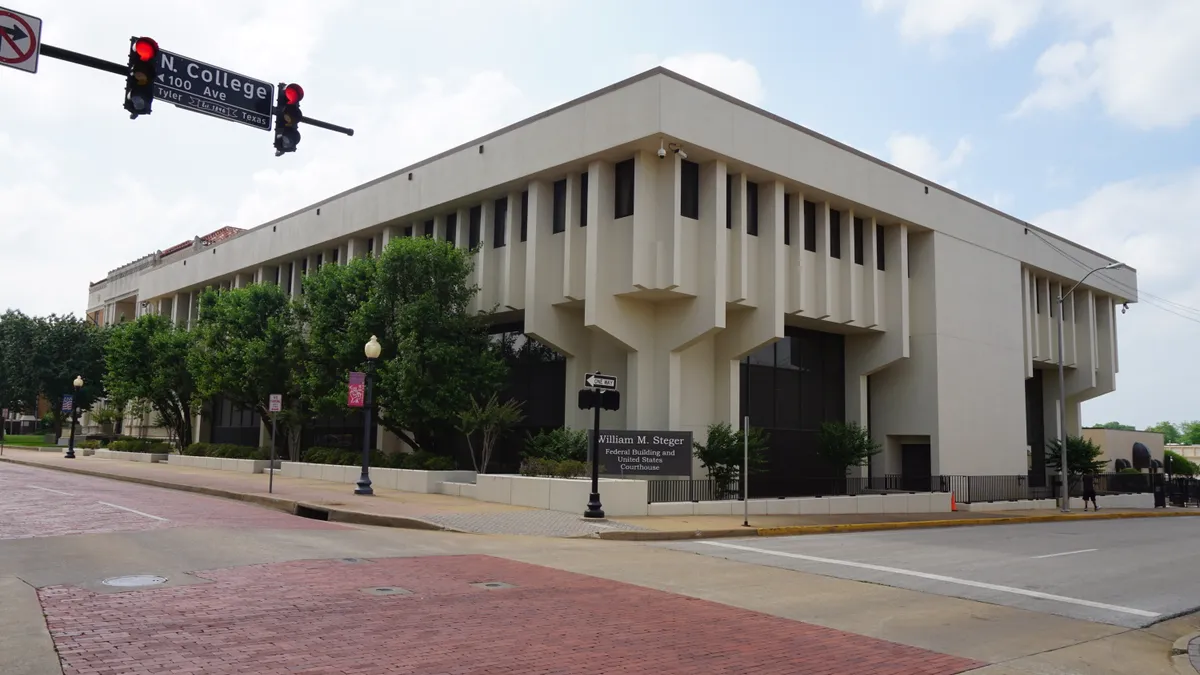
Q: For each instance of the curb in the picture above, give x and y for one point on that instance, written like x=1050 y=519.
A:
x=794 y=530
x=295 y=508
x=1179 y=655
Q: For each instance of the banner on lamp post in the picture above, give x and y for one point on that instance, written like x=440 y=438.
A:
x=358 y=389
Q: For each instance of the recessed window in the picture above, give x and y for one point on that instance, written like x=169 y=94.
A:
x=428 y=228
x=320 y=259
x=476 y=221
x=623 y=196
x=370 y=246
x=408 y=232
x=583 y=199
x=524 y=214
x=560 y=206
x=452 y=229
x=787 y=220
x=858 y=240
x=879 y=248
x=337 y=252
x=728 y=202
x=689 y=190
x=1037 y=292
x=500 y=222
x=810 y=226
x=835 y=233
x=752 y=208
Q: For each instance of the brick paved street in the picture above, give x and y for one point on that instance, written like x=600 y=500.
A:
x=37 y=503
x=313 y=617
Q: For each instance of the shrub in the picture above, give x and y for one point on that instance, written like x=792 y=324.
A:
x=226 y=451
x=343 y=457
x=558 y=445
x=140 y=446
x=551 y=468
x=89 y=445
x=1179 y=465
x=422 y=460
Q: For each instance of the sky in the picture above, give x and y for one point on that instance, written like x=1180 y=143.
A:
x=1078 y=115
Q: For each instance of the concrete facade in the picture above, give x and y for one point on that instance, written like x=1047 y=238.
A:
x=626 y=263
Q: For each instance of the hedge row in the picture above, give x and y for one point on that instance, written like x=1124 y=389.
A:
x=140 y=446
x=226 y=451
x=421 y=460
x=566 y=468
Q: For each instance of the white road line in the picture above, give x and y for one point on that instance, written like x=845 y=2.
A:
x=57 y=492
x=125 y=508
x=1055 y=555
x=945 y=579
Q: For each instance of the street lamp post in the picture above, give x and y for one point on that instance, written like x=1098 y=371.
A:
x=78 y=383
x=371 y=350
x=1062 y=391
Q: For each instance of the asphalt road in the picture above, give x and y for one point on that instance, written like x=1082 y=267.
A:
x=1130 y=573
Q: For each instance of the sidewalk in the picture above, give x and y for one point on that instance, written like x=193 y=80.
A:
x=392 y=508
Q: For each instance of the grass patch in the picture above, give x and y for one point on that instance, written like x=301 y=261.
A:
x=32 y=440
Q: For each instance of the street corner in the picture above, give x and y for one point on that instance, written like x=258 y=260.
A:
x=466 y=613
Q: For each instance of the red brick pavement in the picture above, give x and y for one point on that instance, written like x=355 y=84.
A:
x=43 y=503
x=311 y=617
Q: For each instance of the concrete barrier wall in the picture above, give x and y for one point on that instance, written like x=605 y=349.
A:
x=570 y=495
x=408 y=480
x=221 y=463
x=152 y=457
x=937 y=502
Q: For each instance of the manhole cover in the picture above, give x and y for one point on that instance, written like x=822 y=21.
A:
x=134 y=580
x=491 y=585
x=386 y=590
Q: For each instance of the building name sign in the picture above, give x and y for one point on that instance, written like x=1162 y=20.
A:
x=645 y=453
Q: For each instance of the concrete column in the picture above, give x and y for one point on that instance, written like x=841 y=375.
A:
x=178 y=309
x=297 y=278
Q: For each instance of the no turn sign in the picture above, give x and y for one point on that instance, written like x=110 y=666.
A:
x=20 y=40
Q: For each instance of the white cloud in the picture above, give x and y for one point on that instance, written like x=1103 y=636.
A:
x=737 y=77
x=922 y=20
x=1139 y=60
x=1149 y=224
x=919 y=155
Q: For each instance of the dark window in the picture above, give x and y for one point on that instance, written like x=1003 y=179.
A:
x=473 y=226
x=277 y=270
x=908 y=260
x=787 y=220
x=337 y=253
x=524 y=214
x=835 y=233
x=428 y=228
x=560 y=206
x=1037 y=292
x=810 y=226
x=623 y=198
x=290 y=273
x=370 y=247
x=304 y=265
x=407 y=232
x=499 y=223
x=858 y=241
x=752 y=208
x=583 y=189
x=320 y=259
x=879 y=248
x=452 y=229
x=689 y=190
x=728 y=202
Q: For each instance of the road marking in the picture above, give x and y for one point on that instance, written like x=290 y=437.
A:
x=126 y=508
x=57 y=492
x=1055 y=555
x=945 y=579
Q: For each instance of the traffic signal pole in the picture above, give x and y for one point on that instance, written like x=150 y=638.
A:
x=77 y=58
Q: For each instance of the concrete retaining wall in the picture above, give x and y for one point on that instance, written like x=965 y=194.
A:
x=152 y=457
x=937 y=502
x=408 y=480
x=570 y=495
x=221 y=463
x=1123 y=501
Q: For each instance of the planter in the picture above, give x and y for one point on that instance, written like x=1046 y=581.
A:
x=152 y=457
x=620 y=497
x=221 y=463
x=406 y=480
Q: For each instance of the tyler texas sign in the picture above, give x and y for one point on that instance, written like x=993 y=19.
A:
x=645 y=453
x=197 y=86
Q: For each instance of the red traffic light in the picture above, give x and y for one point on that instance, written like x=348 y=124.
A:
x=145 y=48
x=293 y=93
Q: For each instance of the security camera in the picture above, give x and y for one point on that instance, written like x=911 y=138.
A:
x=681 y=153
x=662 y=153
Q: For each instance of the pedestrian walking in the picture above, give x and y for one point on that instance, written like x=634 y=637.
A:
x=1089 y=491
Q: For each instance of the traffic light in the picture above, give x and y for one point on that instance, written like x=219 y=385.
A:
x=139 y=84
x=287 y=118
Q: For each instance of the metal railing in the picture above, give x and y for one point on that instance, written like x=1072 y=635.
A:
x=966 y=489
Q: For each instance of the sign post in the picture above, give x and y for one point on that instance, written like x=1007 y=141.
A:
x=20 y=40
x=746 y=471
x=3 y=429
x=275 y=405
x=600 y=391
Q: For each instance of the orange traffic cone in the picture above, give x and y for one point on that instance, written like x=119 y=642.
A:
x=953 y=504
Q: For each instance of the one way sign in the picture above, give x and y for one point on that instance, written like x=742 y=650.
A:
x=599 y=381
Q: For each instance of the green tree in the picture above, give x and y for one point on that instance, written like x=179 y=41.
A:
x=147 y=360
x=1116 y=425
x=724 y=452
x=1178 y=465
x=437 y=355
x=247 y=347
x=18 y=385
x=1083 y=456
x=63 y=348
x=490 y=421
x=1170 y=432
x=1189 y=432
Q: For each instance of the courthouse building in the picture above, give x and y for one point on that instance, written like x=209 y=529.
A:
x=720 y=261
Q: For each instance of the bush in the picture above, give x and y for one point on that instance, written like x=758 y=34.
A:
x=343 y=457
x=140 y=446
x=423 y=460
x=558 y=445
x=550 y=468
x=89 y=445
x=226 y=451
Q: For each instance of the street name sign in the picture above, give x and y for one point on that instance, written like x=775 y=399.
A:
x=20 y=40
x=599 y=381
x=203 y=88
